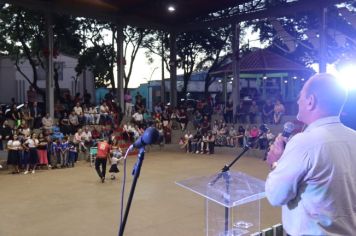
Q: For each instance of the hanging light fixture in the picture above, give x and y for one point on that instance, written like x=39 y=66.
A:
x=171 y=8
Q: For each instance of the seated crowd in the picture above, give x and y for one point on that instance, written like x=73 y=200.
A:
x=221 y=134
x=250 y=111
x=34 y=140
x=235 y=129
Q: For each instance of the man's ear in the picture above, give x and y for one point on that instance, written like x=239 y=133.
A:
x=312 y=102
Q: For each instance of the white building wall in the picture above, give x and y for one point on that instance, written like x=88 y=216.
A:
x=7 y=80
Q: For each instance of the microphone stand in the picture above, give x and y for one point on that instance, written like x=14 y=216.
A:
x=136 y=173
x=226 y=175
x=227 y=167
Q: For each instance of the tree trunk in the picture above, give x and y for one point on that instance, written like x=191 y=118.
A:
x=113 y=56
x=207 y=85
x=57 y=89
x=186 y=78
x=126 y=85
x=112 y=81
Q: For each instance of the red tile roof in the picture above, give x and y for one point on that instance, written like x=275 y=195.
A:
x=262 y=60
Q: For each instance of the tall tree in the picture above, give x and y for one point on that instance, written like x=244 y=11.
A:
x=134 y=40
x=215 y=46
x=99 y=54
x=153 y=45
x=189 y=48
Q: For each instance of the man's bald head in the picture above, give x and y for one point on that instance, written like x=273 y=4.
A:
x=329 y=94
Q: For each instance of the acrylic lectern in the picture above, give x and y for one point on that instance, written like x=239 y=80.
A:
x=233 y=202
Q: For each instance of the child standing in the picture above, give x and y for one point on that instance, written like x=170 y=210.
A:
x=116 y=156
x=64 y=153
x=57 y=153
x=72 y=153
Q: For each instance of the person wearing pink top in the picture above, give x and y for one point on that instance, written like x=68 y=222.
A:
x=253 y=134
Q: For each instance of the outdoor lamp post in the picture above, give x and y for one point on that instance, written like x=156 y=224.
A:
x=149 y=87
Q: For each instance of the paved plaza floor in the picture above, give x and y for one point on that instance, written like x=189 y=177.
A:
x=73 y=202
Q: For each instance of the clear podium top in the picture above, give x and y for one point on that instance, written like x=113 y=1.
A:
x=228 y=189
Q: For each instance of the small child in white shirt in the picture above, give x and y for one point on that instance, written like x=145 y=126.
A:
x=116 y=157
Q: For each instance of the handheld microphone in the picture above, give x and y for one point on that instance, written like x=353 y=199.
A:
x=150 y=136
x=288 y=129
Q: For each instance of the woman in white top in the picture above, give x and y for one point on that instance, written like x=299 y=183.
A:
x=13 y=158
x=24 y=130
x=79 y=140
x=31 y=145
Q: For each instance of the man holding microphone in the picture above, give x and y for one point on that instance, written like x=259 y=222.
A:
x=313 y=175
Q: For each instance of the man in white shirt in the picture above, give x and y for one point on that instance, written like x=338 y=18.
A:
x=313 y=177
x=78 y=110
x=105 y=113
x=87 y=137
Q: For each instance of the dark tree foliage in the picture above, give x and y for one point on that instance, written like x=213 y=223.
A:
x=98 y=60
x=153 y=46
x=298 y=27
x=217 y=44
x=189 y=47
x=99 y=54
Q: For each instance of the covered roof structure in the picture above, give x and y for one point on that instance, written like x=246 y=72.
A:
x=261 y=60
x=263 y=64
